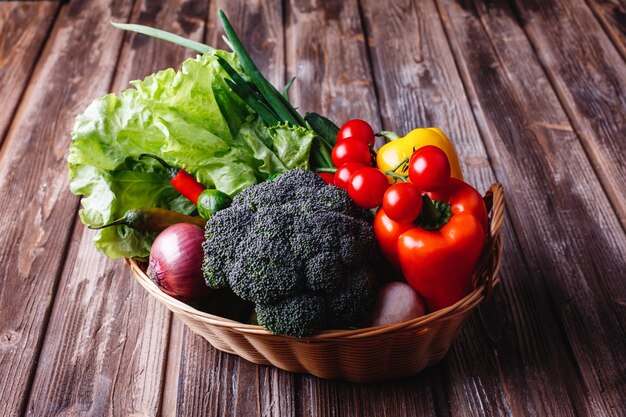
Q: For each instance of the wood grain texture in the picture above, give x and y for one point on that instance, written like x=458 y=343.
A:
x=104 y=349
x=588 y=75
x=612 y=16
x=142 y=55
x=416 y=396
x=570 y=237
x=212 y=383
x=80 y=56
x=24 y=27
x=326 y=52
x=514 y=341
x=106 y=342
x=174 y=352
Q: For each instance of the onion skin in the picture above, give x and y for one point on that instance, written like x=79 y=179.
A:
x=175 y=264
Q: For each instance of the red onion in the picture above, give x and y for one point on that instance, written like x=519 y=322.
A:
x=176 y=262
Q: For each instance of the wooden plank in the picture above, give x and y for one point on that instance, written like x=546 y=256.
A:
x=505 y=352
x=143 y=55
x=38 y=210
x=104 y=348
x=174 y=351
x=24 y=27
x=612 y=16
x=589 y=77
x=408 y=397
x=571 y=239
x=213 y=383
x=106 y=343
x=326 y=50
x=210 y=382
x=259 y=25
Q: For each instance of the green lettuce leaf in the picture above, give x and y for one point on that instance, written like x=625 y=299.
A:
x=191 y=119
x=113 y=193
x=280 y=147
x=292 y=145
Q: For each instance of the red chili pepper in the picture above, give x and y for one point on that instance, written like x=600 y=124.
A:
x=181 y=180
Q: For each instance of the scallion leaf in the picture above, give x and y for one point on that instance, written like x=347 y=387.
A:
x=287 y=86
x=269 y=92
x=164 y=35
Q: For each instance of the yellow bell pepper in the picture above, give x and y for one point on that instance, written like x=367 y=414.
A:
x=393 y=153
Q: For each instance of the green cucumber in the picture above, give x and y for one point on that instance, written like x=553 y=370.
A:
x=326 y=129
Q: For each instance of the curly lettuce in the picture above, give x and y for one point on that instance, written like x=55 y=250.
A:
x=193 y=120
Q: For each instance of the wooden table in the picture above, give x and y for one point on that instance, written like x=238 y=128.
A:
x=532 y=92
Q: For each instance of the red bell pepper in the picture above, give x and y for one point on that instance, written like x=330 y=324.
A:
x=438 y=263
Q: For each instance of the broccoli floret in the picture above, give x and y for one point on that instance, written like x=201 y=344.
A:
x=297 y=316
x=324 y=272
x=300 y=250
x=352 y=304
x=265 y=271
x=227 y=230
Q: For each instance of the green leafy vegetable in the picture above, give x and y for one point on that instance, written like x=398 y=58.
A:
x=326 y=130
x=276 y=101
x=281 y=147
x=285 y=92
x=166 y=36
x=193 y=120
x=262 y=97
x=109 y=194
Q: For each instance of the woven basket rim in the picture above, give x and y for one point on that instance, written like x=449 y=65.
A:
x=475 y=297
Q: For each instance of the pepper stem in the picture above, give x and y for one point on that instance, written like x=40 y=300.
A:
x=392 y=172
x=404 y=161
x=388 y=135
x=430 y=213
x=434 y=214
x=171 y=171
x=158 y=158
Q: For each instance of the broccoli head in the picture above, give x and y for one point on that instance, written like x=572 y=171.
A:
x=297 y=248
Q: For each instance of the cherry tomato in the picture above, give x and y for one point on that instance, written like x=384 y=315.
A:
x=402 y=202
x=367 y=187
x=327 y=177
x=357 y=129
x=387 y=233
x=429 y=168
x=343 y=174
x=351 y=150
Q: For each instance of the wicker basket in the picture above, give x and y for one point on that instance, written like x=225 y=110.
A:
x=363 y=355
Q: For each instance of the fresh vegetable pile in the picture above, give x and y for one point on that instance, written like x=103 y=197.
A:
x=213 y=175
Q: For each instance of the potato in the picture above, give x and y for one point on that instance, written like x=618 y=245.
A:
x=397 y=302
